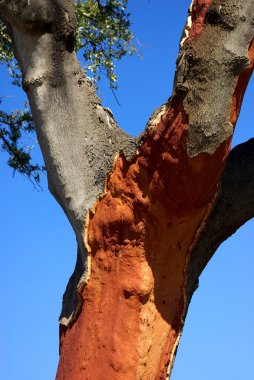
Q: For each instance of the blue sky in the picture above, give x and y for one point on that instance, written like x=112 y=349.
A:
x=38 y=248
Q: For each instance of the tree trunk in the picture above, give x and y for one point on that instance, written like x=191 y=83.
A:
x=148 y=212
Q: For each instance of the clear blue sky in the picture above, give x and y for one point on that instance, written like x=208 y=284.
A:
x=38 y=248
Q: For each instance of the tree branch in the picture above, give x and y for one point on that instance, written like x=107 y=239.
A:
x=79 y=138
x=66 y=111
x=234 y=207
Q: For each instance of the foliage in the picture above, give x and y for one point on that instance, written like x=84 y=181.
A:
x=103 y=36
x=6 y=52
x=12 y=128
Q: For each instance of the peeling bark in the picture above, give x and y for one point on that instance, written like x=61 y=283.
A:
x=149 y=212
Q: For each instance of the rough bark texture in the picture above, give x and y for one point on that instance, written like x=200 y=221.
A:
x=79 y=138
x=234 y=207
x=143 y=229
x=144 y=211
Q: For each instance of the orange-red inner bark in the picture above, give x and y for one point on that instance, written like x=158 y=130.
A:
x=140 y=235
x=198 y=14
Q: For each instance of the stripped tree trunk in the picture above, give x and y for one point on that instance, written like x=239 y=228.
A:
x=149 y=212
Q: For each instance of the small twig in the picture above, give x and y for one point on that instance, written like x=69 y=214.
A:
x=115 y=96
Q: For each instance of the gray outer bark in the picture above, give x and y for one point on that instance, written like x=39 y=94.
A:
x=234 y=207
x=80 y=139
x=208 y=68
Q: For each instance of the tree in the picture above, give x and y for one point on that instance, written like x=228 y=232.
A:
x=162 y=174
